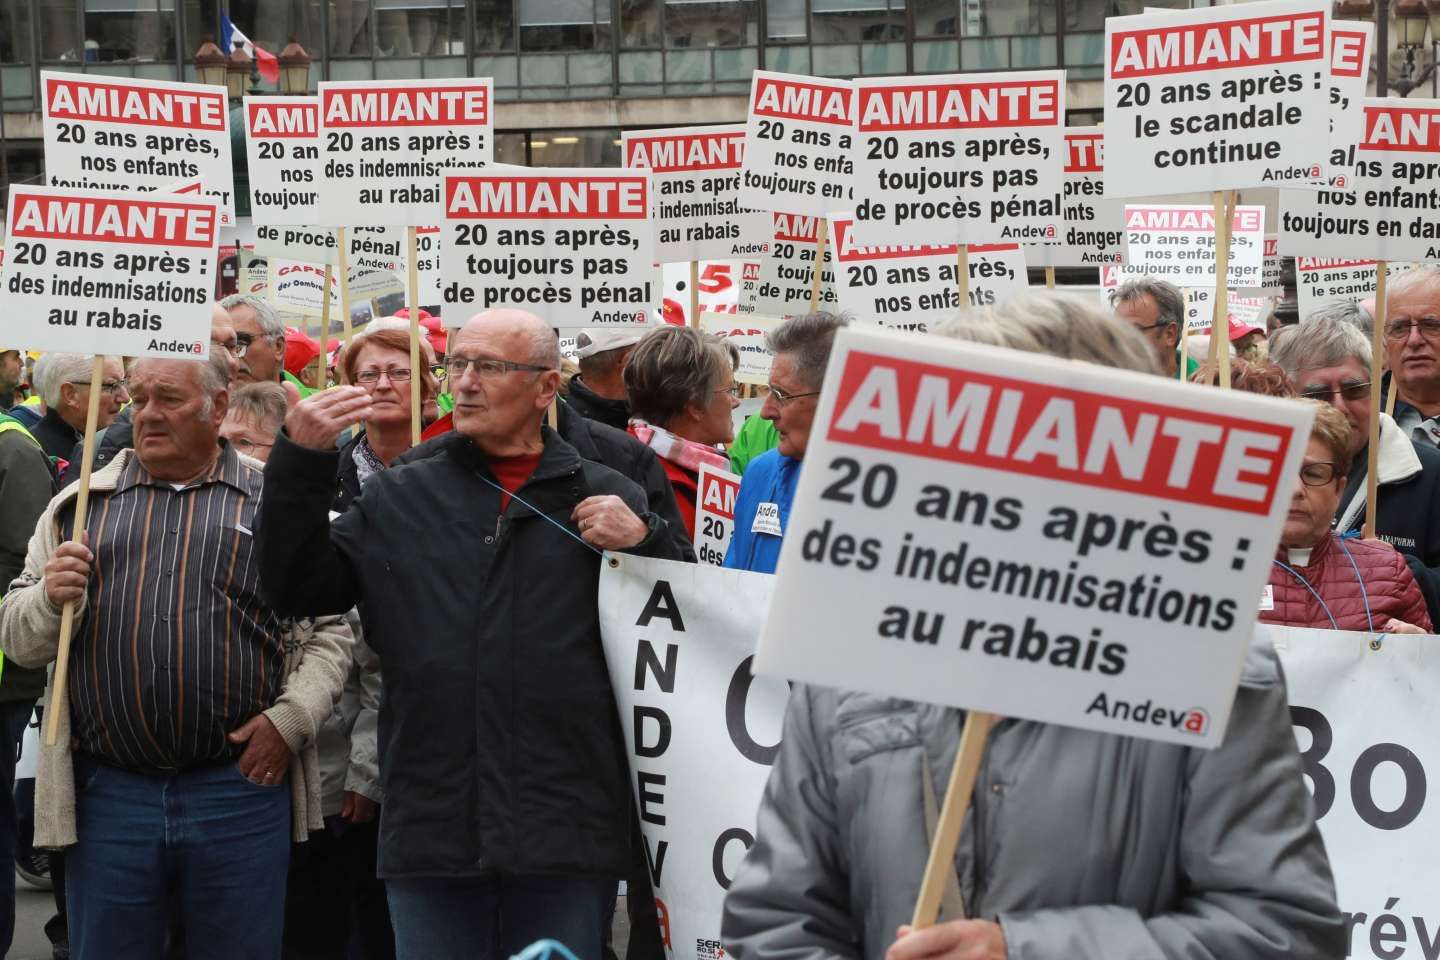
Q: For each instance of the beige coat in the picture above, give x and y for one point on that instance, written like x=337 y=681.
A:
x=317 y=659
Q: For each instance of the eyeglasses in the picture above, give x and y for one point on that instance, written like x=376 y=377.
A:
x=1399 y=329
x=1349 y=391
x=1317 y=473
x=237 y=349
x=782 y=398
x=487 y=367
x=111 y=387
x=371 y=377
x=248 y=447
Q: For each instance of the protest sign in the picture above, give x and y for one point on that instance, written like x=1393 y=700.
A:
x=695 y=176
x=1226 y=97
x=718 y=283
x=959 y=158
x=1351 y=43
x=427 y=245
x=797 y=145
x=1392 y=211
x=1108 y=534
x=702 y=733
x=122 y=134
x=299 y=287
x=1177 y=243
x=714 y=513
x=105 y=272
x=310 y=244
x=253 y=273
x=282 y=145
x=1321 y=282
x=1362 y=719
x=915 y=287
x=1272 y=265
x=1093 y=231
x=747 y=333
x=787 y=275
x=385 y=145
x=574 y=247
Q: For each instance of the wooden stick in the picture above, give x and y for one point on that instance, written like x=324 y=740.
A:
x=822 y=230
x=695 y=294
x=1377 y=348
x=344 y=261
x=415 y=377
x=1219 y=314
x=1185 y=339
x=1049 y=278
x=552 y=414
x=324 y=330
x=82 y=503
x=962 y=274
x=1222 y=273
x=952 y=817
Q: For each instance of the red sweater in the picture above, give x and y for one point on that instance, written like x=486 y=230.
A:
x=1385 y=579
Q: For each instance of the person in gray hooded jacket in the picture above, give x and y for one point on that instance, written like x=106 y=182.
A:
x=1077 y=845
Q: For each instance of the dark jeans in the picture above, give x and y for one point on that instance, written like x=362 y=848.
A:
x=497 y=917
x=335 y=907
x=13 y=718
x=208 y=840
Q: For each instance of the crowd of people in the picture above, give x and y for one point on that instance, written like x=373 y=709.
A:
x=332 y=694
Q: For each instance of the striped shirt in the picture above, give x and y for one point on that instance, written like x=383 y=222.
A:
x=176 y=648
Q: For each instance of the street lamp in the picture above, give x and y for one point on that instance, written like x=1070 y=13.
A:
x=1355 y=10
x=1413 y=20
x=295 y=69
x=210 y=62
x=237 y=72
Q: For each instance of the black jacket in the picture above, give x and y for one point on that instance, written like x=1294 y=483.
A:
x=501 y=743
x=120 y=435
x=589 y=404
x=347 y=475
x=57 y=438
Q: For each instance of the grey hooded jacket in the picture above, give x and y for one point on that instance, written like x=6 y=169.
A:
x=1083 y=846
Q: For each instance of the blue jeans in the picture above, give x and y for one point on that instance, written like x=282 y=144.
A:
x=208 y=841
x=496 y=917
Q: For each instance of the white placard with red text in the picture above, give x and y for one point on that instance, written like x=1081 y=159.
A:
x=282 y=144
x=1351 y=45
x=714 y=513
x=1026 y=535
x=695 y=175
x=310 y=244
x=747 y=333
x=915 y=287
x=1320 y=282
x=571 y=246
x=798 y=140
x=1176 y=243
x=123 y=134
x=299 y=287
x=1391 y=209
x=106 y=272
x=1093 y=232
x=786 y=274
x=1272 y=283
x=959 y=158
x=1217 y=98
x=385 y=145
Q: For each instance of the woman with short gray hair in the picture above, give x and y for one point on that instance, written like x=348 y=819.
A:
x=681 y=384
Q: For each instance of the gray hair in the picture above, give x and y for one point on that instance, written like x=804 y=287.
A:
x=265 y=314
x=213 y=376
x=1168 y=298
x=675 y=367
x=1318 y=342
x=807 y=338
x=1419 y=276
x=1344 y=311
x=1058 y=324
x=545 y=348
x=54 y=370
x=265 y=403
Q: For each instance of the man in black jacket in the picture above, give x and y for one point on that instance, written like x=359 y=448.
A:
x=504 y=769
x=598 y=391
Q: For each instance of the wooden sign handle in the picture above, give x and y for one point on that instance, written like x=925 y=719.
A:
x=962 y=274
x=1377 y=350
x=324 y=330
x=1222 y=201
x=82 y=504
x=343 y=258
x=822 y=230
x=952 y=816
x=1049 y=278
x=415 y=377
x=695 y=294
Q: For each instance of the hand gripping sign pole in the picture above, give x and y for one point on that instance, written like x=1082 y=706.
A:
x=1377 y=346
x=822 y=230
x=952 y=816
x=415 y=377
x=82 y=503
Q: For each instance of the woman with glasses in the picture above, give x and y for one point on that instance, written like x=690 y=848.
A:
x=1321 y=579
x=379 y=361
x=682 y=391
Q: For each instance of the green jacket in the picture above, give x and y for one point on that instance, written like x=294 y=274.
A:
x=26 y=486
x=754 y=438
x=299 y=384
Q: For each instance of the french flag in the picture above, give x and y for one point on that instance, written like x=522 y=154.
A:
x=265 y=61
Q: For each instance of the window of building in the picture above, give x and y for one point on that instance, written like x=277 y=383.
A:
x=494 y=24
x=575 y=148
x=564 y=25
x=419 y=28
x=349 y=28
x=272 y=23
x=785 y=21
x=140 y=31
x=639 y=24
x=510 y=148
x=14 y=31
x=936 y=18
x=853 y=21
x=704 y=23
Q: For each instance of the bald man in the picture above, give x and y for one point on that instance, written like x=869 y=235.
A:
x=476 y=570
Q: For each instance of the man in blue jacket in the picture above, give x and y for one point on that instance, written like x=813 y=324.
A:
x=801 y=346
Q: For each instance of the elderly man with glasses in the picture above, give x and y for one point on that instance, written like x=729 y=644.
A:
x=801 y=346
x=1327 y=358
x=476 y=569
x=1412 y=350
x=65 y=387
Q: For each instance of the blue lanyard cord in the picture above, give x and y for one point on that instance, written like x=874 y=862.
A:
x=1306 y=584
x=1364 y=594
x=542 y=515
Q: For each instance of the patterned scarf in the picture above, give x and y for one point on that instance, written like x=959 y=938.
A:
x=678 y=450
x=367 y=464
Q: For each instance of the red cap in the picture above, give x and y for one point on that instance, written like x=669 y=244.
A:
x=1238 y=328
x=299 y=350
x=434 y=330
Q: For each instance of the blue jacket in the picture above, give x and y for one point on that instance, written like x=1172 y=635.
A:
x=769 y=478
